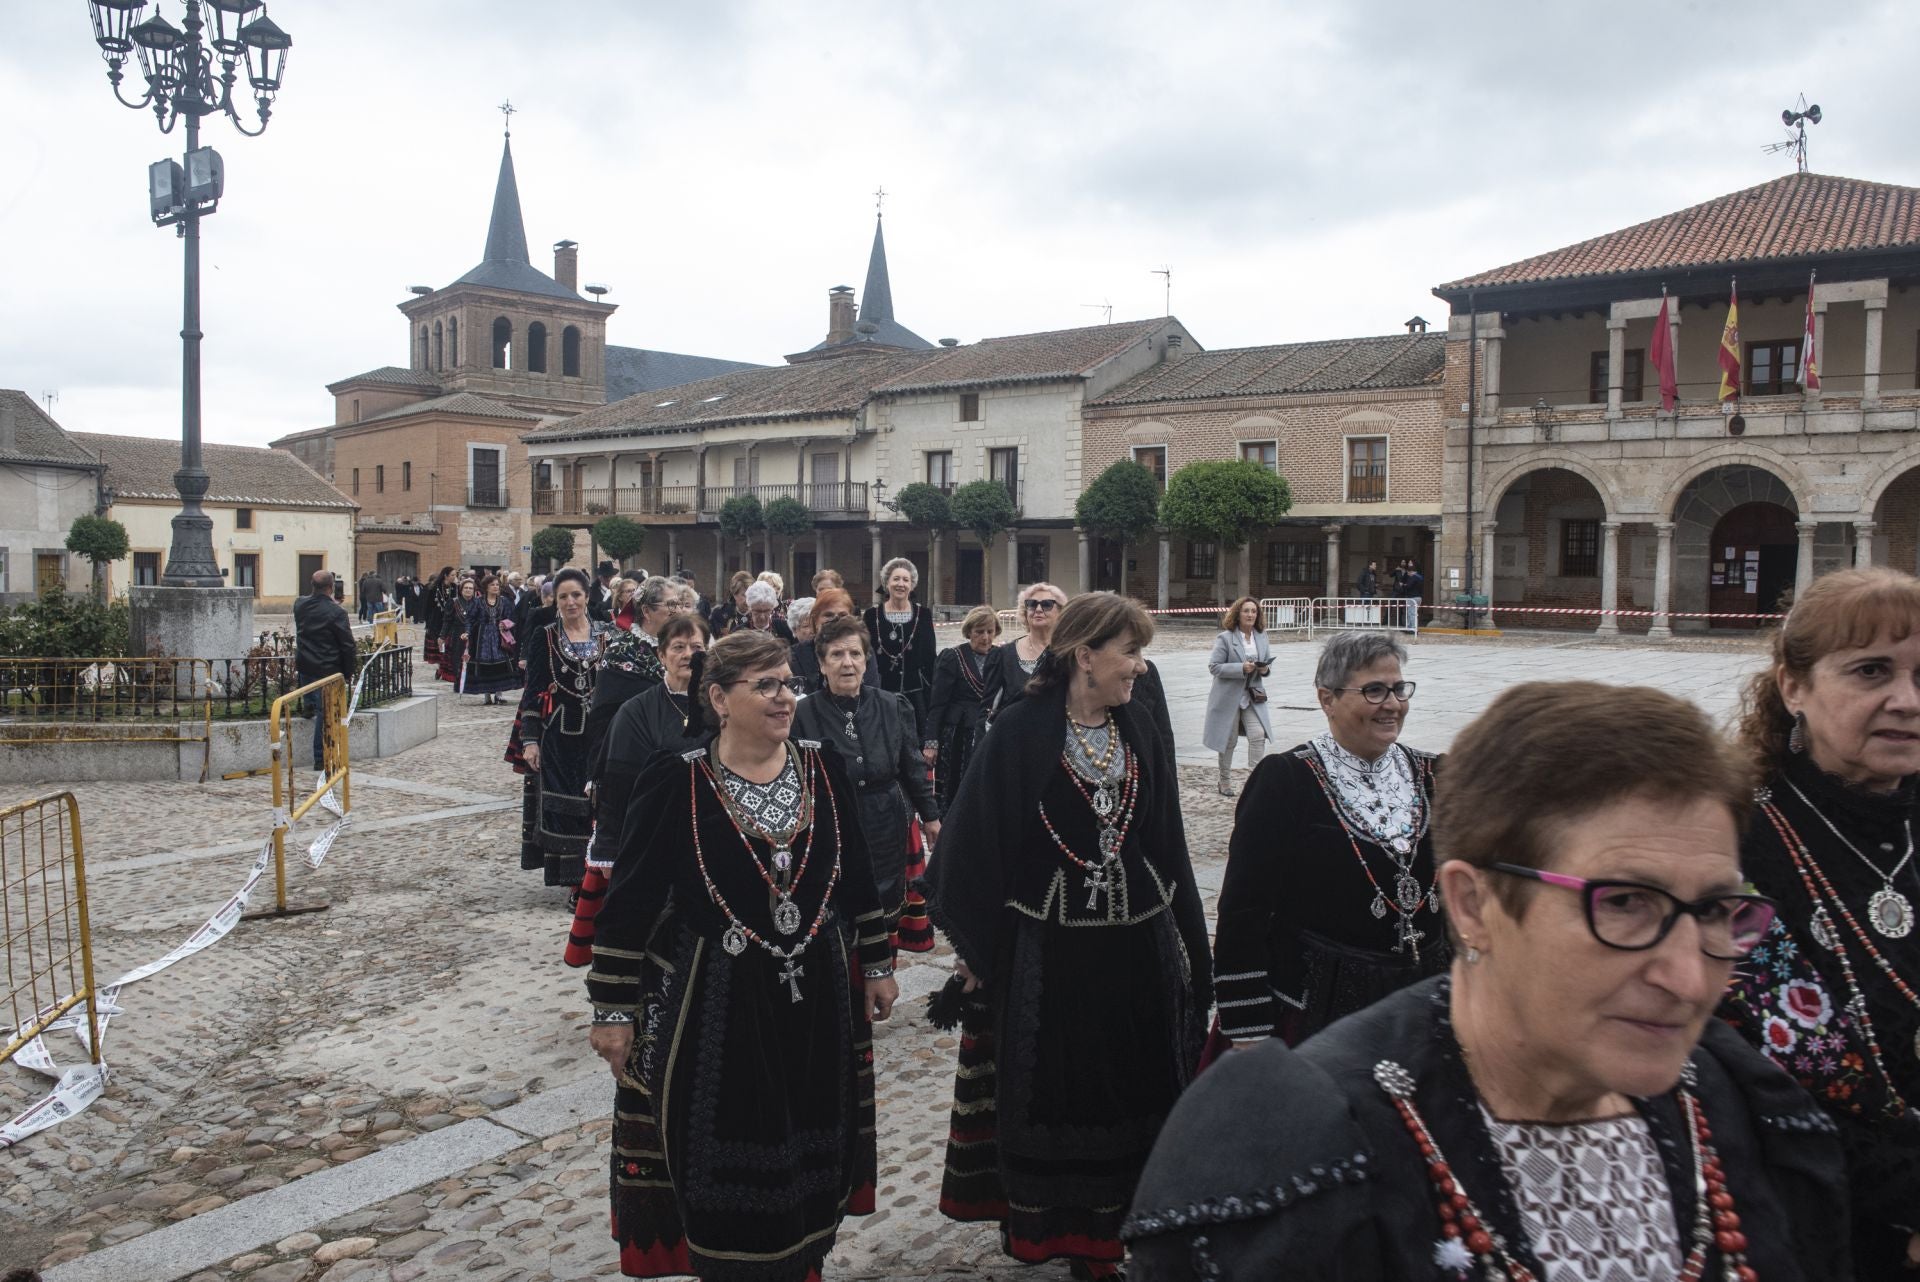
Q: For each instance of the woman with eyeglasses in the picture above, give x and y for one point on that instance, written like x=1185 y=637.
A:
x=1833 y=994
x=1081 y=971
x=739 y=961
x=1329 y=900
x=1039 y=609
x=1562 y=1105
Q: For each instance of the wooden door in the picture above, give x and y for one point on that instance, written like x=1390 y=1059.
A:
x=1751 y=562
x=968 y=586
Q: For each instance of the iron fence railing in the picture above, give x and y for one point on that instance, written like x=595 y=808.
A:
x=174 y=698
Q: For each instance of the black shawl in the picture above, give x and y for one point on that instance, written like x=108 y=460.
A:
x=978 y=865
x=1329 y=1184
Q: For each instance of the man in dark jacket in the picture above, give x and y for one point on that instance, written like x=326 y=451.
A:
x=323 y=645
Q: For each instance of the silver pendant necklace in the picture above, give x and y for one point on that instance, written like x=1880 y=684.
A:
x=1888 y=911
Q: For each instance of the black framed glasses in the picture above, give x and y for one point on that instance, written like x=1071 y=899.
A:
x=769 y=687
x=1042 y=604
x=1633 y=916
x=1377 y=691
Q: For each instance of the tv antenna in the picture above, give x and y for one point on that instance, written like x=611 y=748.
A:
x=1796 y=118
x=1167 y=274
x=52 y=398
x=1105 y=309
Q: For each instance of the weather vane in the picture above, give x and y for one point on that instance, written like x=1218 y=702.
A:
x=507 y=109
x=879 y=198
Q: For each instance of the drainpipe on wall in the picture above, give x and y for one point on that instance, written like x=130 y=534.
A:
x=1473 y=411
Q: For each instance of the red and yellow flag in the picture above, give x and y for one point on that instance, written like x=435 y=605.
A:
x=1730 y=350
x=1809 y=358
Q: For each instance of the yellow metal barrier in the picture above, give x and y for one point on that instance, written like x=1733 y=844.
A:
x=386 y=627
x=286 y=810
x=43 y=911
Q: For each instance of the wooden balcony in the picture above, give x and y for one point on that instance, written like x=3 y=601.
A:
x=686 y=504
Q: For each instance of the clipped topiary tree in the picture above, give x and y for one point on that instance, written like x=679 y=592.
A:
x=1122 y=504
x=619 y=537
x=554 y=545
x=926 y=508
x=102 y=540
x=741 y=517
x=1223 y=501
x=787 y=519
x=985 y=508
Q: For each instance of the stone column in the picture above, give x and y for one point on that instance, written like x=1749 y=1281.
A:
x=673 y=550
x=874 y=580
x=1490 y=374
x=699 y=481
x=822 y=558
x=1803 y=568
x=931 y=585
x=1609 y=578
x=1862 y=544
x=1616 y=366
x=1870 y=376
x=717 y=591
x=1334 y=577
x=1487 y=530
x=1662 y=628
x=1160 y=585
x=1013 y=569
x=1086 y=566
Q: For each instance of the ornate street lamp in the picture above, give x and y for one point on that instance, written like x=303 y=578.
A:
x=1543 y=416
x=189 y=73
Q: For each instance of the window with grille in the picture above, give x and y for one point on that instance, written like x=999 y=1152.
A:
x=1580 y=549
x=1367 y=470
x=1201 y=560
x=1773 y=368
x=146 y=569
x=969 y=407
x=1154 y=459
x=1033 y=563
x=1633 y=376
x=1265 y=453
x=1297 y=563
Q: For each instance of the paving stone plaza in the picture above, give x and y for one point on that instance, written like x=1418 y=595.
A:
x=399 y=1088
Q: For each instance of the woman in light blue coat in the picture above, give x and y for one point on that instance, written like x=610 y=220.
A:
x=1237 y=703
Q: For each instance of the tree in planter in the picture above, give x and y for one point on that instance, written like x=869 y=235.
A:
x=554 y=545
x=102 y=540
x=1122 y=504
x=741 y=517
x=619 y=537
x=926 y=508
x=985 y=508
x=787 y=519
x=1223 y=501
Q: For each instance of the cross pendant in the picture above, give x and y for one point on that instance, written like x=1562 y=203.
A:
x=790 y=976
x=1096 y=885
x=1410 y=938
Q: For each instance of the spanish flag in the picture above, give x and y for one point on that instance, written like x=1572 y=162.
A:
x=1730 y=350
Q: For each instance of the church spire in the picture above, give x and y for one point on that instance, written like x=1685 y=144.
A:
x=876 y=300
x=506 y=234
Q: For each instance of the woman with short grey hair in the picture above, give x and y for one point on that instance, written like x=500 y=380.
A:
x=1329 y=901
x=763 y=611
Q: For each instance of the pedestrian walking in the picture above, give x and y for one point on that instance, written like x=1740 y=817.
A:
x=901 y=630
x=548 y=743
x=323 y=645
x=490 y=669
x=1082 y=976
x=1833 y=727
x=1328 y=902
x=1369 y=585
x=739 y=962
x=453 y=635
x=437 y=599
x=1237 y=700
x=966 y=691
x=1039 y=608
x=1563 y=1104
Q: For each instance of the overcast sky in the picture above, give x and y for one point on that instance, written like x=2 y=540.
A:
x=1306 y=170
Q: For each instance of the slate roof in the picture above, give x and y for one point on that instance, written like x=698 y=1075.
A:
x=36 y=437
x=392 y=376
x=632 y=370
x=1790 y=217
x=811 y=389
x=876 y=306
x=1024 y=358
x=142 y=467
x=506 y=265
x=454 y=403
x=1333 y=365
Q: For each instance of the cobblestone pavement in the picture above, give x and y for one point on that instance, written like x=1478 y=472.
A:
x=431 y=992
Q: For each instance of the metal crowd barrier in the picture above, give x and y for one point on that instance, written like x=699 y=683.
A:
x=1387 y=613
x=1287 y=614
x=43 y=912
x=287 y=754
x=386 y=627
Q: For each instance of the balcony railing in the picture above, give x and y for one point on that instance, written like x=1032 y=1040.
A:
x=1367 y=483
x=487 y=495
x=669 y=503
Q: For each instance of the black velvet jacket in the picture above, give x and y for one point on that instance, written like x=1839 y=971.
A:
x=1292 y=1164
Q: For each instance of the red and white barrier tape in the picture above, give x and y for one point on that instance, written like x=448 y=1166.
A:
x=1623 y=614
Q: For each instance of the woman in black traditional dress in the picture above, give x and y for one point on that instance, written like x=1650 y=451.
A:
x=739 y=962
x=1563 y=1106
x=1833 y=994
x=1039 y=609
x=1329 y=901
x=902 y=633
x=630 y=661
x=453 y=633
x=490 y=666
x=1082 y=977
x=437 y=598
x=549 y=741
x=873 y=731
x=966 y=689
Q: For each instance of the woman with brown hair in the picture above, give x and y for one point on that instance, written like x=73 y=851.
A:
x=738 y=963
x=1833 y=994
x=549 y=740
x=1562 y=1105
x=1082 y=978
x=731 y=614
x=1237 y=700
x=966 y=692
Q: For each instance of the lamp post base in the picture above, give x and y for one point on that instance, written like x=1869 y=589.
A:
x=191 y=622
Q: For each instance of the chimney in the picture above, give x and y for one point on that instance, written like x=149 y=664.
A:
x=1417 y=325
x=566 y=264
x=1174 y=343
x=840 y=313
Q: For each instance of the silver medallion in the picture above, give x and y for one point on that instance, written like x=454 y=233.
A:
x=1379 y=906
x=1406 y=891
x=782 y=859
x=1402 y=845
x=1433 y=897
x=786 y=917
x=580 y=683
x=1820 y=926
x=734 y=942
x=1890 y=913
x=1103 y=801
x=1109 y=842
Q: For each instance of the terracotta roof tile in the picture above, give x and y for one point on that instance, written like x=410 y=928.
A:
x=1790 y=217
x=390 y=376
x=142 y=467
x=1335 y=365
x=1019 y=358
x=36 y=437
